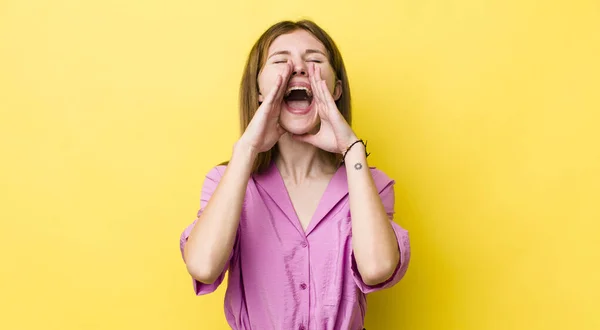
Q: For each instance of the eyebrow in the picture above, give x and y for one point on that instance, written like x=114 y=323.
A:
x=308 y=51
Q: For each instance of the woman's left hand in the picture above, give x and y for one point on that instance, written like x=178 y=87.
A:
x=334 y=135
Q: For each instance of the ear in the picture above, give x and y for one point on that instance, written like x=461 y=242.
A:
x=337 y=90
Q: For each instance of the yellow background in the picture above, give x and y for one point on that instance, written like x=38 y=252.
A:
x=485 y=112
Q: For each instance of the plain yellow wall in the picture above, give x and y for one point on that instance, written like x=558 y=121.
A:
x=485 y=112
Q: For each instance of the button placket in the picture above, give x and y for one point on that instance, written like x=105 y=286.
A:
x=303 y=286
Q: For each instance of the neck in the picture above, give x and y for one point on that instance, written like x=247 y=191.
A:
x=298 y=161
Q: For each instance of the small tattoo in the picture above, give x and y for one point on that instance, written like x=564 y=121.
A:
x=358 y=166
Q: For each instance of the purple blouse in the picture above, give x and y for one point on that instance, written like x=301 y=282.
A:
x=282 y=277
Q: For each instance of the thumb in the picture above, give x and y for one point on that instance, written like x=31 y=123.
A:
x=307 y=138
x=280 y=129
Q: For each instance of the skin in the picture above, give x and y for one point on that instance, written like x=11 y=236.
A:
x=301 y=140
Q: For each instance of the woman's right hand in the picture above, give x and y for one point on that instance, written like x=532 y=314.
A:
x=264 y=130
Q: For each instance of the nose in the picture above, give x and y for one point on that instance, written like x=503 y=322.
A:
x=299 y=69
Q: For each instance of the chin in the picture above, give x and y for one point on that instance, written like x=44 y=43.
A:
x=298 y=123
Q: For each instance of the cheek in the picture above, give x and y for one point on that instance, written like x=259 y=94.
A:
x=266 y=79
x=328 y=75
x=331 y=85
x=261 y=83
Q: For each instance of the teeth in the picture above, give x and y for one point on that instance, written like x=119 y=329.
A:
x=308 y=92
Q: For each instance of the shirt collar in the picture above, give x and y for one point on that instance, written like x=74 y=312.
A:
x=272 y=182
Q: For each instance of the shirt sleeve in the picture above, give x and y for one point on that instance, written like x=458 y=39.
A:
x=387 y=198
x=208 y=188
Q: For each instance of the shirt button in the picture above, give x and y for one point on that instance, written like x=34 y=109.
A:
x=303 y=286
x=304 y=244
x=301 y=327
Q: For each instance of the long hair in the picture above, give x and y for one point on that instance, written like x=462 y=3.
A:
x=249 y=90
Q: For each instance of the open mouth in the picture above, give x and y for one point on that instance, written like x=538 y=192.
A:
x=298 y=98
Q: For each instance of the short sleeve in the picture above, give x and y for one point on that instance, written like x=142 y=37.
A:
x=386 y=188
x=208 y=188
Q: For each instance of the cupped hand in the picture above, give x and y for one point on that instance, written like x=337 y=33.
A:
x=335 y=134
x=264 y=129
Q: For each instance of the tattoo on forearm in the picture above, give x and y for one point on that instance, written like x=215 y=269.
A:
x=357 y=166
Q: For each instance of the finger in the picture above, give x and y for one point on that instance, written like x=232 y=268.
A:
x=313 y=83
x=330 y=108
x=280 y=129
x=311 y=71
x=274 y=91
x=279 y=87
x=316 y=86
x=285 y=77
x=287 y=73
x=290 y=69
x=322 y=82
x=322 y=92
x=328 y=97
x=280 y=84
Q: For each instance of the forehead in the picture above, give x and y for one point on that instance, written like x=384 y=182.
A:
x=298 y=40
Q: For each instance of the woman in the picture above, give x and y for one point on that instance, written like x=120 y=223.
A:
x=299 y=220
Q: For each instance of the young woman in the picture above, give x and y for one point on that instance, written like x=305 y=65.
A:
x=299 y=220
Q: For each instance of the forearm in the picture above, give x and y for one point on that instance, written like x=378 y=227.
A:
x=211 y=240
x=373 y=239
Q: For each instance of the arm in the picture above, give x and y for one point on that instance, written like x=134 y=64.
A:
x=374 y=241
x=211 y=240
x=378 y=244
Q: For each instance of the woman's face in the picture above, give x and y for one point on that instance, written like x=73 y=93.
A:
x=301 y=49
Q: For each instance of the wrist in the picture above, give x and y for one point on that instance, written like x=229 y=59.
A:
x=244 y=151
x=356 y=151
x=348 y=143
